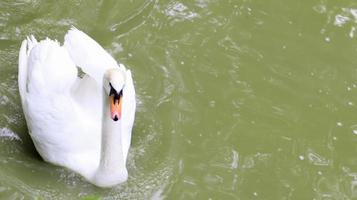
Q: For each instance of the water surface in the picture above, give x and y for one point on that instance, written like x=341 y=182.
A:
x=236 y=99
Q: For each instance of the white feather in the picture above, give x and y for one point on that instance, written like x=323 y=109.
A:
x=64 y=112
x=88 y=54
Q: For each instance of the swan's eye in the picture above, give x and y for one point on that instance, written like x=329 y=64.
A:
x=112 y=90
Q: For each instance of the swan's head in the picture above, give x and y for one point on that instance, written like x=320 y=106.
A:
x=114 y=81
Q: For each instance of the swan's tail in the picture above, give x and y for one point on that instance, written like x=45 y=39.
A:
x=25 y=48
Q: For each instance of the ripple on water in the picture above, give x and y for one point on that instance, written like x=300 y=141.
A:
x=9 y=134
x=338 y=17
x=179 y=12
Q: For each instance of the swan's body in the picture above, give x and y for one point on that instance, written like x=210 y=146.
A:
x=70 y=119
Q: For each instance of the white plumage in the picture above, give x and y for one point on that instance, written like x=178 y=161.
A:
x=69 y=117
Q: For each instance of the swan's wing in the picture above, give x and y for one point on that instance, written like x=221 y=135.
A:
x=87 y=92
x=49 y=68
x=24 y=52
x=88 y=54
x=56 y=123
x=44 y=68
x=129 y=106
x=46 y=74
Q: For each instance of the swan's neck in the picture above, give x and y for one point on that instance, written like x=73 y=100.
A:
x=111 y=170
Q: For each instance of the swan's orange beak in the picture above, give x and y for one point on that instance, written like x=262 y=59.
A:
x=115 y=107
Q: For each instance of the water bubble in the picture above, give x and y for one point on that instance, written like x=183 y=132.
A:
x=355 y=131
x=352 y=32
x=301 y=157
x=212 y=104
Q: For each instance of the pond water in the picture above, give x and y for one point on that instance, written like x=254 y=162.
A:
x=237 y=99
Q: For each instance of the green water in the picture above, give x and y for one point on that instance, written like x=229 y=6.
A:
x=236 y=99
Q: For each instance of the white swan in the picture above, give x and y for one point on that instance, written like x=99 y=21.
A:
x=83 y=124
